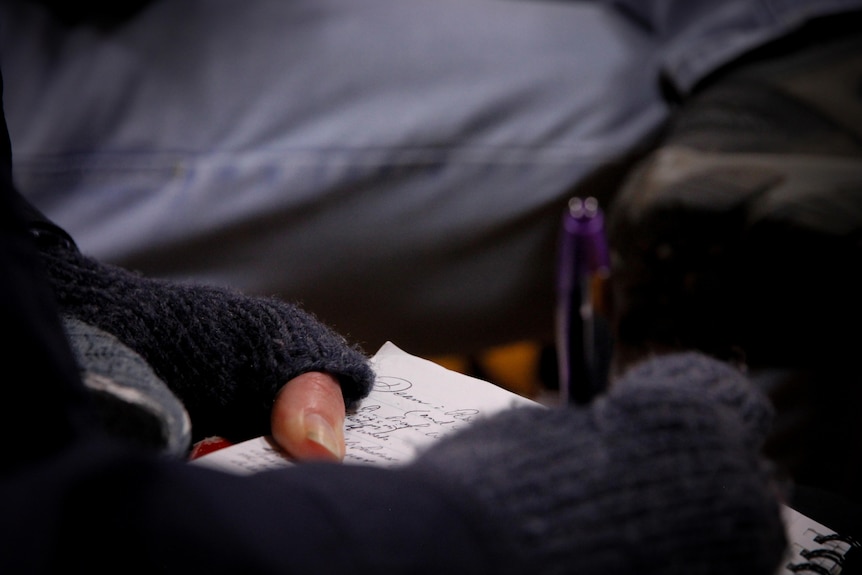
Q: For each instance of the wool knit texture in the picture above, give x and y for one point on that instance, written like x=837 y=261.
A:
x=224 y=354
x=128 y=397
x=661 y=476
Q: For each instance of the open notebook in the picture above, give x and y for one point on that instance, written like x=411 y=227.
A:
x=815 y=548
x=415 y=401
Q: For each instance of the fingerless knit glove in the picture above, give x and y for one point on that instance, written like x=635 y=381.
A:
x=661 y=476
x=130 y=401
x=223 y=354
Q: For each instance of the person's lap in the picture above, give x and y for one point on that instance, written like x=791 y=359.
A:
x=398 y=167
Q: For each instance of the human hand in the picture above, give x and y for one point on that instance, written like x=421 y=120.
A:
x=672 y=452
x=308 y=417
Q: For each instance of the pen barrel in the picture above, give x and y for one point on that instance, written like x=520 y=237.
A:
x=583 y=339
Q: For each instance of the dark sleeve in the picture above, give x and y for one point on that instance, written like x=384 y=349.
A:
x=37 y=362
x=102 y=509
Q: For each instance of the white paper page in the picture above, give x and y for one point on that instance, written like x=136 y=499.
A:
x=414 y=402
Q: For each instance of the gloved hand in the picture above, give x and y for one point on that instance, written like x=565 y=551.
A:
x=224 y=354
x=661 y=476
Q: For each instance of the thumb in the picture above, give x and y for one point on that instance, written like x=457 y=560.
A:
x=308 y=417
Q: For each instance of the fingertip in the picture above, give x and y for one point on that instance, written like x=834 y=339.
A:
x=323 y=437
x=308 y=418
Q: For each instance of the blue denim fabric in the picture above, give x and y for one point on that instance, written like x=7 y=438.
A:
x=398 y=166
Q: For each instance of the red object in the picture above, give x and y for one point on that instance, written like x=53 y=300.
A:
x=208 y=445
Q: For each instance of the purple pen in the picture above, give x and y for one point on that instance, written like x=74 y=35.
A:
x=582 y=337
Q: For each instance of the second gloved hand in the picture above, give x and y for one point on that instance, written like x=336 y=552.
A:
x=661 y=476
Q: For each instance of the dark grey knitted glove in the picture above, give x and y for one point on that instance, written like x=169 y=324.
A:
x=223 y=354
x=661 y=476
x=131 y=401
